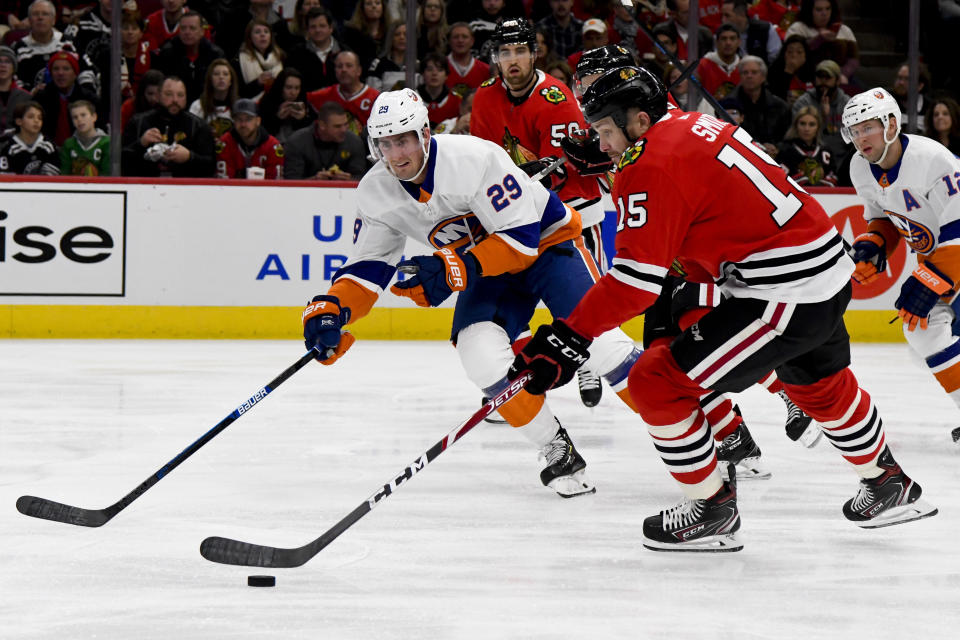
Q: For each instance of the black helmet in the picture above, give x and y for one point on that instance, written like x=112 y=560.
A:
x=514 y=31
x=620 y=89
x=602 y=59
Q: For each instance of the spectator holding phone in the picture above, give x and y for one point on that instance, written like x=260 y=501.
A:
x=284 y=108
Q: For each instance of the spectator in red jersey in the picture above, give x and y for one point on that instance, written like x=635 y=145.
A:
x=565 y=29
x=248 y=151
x=432 y=29
x=366 y=31
x=780 y=13
x=594 y=37
x=163 y=24
x=802 y=153
x=355 y=96
x=943 y=123
x=441 y=103
x=718 y=70
x=314 y=58
x=146 y=98
x=56 y=96
x=10 y=94
x=216 y=101
x=284 y=108
x=328 y=150
x=827 y=37
x=188 y=55
x=466 y=71
x=260 y=60
x=791 y=74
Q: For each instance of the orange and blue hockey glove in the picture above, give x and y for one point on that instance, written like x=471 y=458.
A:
x=436 y=277
x=921 y=291
x=870 y=256
x=323 y=321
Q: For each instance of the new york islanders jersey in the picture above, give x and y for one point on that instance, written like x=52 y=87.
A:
x=473 y=199
x=532 y=129
x=920 y=195
x=697 y=189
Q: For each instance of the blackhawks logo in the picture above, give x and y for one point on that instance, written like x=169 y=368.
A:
x=631 y=155
x=518 y=153
x=488 y=81
x=627 y=73
x=553 y=95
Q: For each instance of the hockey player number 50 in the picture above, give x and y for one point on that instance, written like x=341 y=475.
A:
x=787 y=204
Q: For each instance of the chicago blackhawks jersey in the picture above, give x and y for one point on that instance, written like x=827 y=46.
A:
x=473 y=199
x=37 y=159
x=234 y=157
x=86 y=159
x=357 y=106
x=919 y=195
x=531 y=128
x=698 y=190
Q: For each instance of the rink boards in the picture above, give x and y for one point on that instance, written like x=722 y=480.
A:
x=124 y=258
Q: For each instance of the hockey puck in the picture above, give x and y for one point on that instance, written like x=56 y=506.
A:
x=261 y=581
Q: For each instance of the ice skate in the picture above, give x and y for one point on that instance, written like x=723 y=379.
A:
x=955 y=434
x=891 y=498
x=494 y=417
x=564 y=470
x=800 y=427
x=740 y=450
x=697 y=525
x=590 y=388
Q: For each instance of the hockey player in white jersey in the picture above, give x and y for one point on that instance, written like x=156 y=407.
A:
x=502 y=241
x=910 y=186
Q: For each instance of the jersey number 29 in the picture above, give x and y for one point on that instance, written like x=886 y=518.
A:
x=498 y=193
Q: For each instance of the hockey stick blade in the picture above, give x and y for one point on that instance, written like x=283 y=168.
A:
x=227 y=551
x=57 y=512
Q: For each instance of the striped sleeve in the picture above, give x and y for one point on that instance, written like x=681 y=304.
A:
x=624 y=292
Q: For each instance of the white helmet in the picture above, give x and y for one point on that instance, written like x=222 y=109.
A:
x=876 y=103
x=396 y=112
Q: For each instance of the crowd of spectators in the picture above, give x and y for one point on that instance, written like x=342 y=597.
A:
x=282 y=88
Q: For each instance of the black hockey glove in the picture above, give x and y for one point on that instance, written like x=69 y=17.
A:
x=553 y=356
x=553 y=180
x=323 y=321
x=583 y=151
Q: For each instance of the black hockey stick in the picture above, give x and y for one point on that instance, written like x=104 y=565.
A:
x=227 y=551
x=50 y=510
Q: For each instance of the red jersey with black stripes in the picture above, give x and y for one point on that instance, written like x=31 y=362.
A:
x=699 y=190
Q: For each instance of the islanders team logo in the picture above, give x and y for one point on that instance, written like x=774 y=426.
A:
x=631 y=155
x=920 y=238
x=879 y=95
x=553 y=95
x=454 y=233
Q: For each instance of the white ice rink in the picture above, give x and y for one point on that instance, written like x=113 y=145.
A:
x=472 y=547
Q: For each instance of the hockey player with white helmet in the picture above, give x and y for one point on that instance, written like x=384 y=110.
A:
x=502 y=241
x=910 y=189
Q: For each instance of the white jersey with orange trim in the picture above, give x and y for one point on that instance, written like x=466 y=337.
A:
x=474 y=198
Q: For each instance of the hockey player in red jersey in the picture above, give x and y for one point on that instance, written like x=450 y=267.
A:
x=247 y=145
x=697 y=189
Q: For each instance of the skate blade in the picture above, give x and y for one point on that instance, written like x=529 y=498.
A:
x=955 y=434
x=751 y=469
x=898 y=515
x=494 y=418
x=573 y=485
x=726 y=543
x=810 y=436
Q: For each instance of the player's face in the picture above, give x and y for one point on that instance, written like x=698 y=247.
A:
x=868 y=139
x=403 y=153
x=807 y=128
x=246 y=125
x=942 y=121
x=612 y=141
x=516 y=64
x=83 y=120
x=31 y=122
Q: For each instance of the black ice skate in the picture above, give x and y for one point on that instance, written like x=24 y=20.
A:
x=740 y=450
x=697 y=525
x=891 y=498
x=955 y=434
x=492 y=418
x=564 y=470
x=800 y=427
x=590 y=388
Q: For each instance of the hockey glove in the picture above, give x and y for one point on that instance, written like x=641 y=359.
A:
x=323 y=321
x=555 y=179
x=436 y=276
x=870 y=255
x=582 y=149
x=552 y=356
x=920 y=293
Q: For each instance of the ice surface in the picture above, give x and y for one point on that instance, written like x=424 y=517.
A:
x=473 y=547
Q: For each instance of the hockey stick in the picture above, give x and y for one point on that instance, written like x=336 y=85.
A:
x=227 y=551
x=50 y=510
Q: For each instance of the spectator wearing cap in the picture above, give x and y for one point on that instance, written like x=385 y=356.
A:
x=594 y=36
x=34 y=50
x=564 y=28
x=188 y=55
x=757 y=37
x=247 y=150
x=10 y=94
x=829 y=98
x=719 y=70
x=765 y=116
x=327 y=150
x=56 y=96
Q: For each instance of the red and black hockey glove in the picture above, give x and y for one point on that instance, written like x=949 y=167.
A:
x=436 y=276
x=553 y=356
x=920 y=293
x=323 y=321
